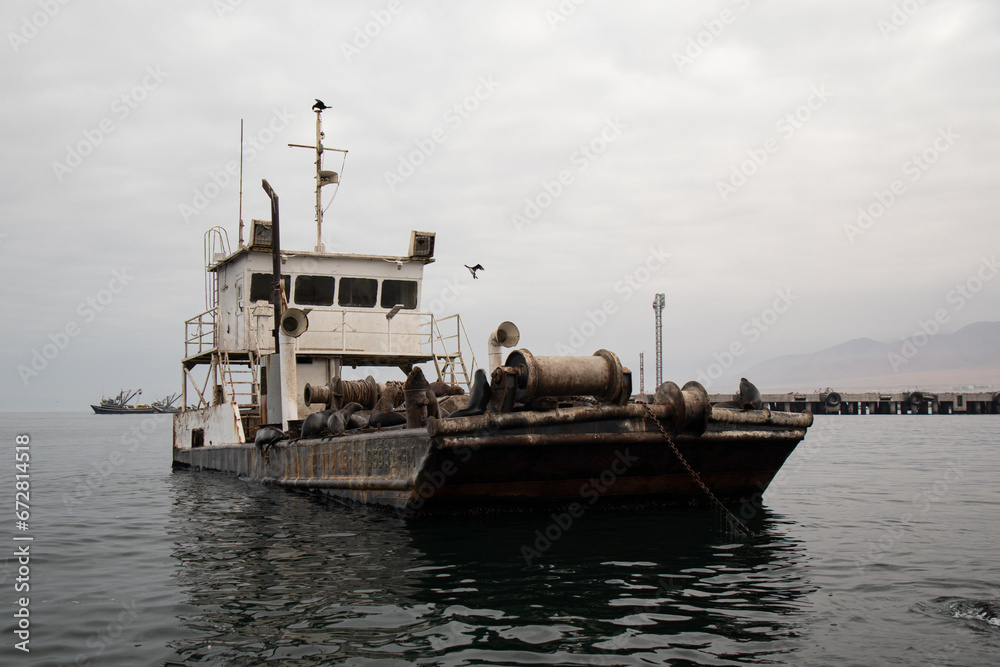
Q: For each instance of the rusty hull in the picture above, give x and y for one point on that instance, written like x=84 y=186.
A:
x=369 y=468
x=605 y=455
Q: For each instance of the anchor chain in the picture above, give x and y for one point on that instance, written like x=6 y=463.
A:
x=694 y=475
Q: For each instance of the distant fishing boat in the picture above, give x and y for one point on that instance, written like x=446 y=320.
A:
x=166 y=404
x=120 y=405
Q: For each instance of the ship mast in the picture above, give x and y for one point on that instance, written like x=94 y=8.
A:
x=322 y=177
x=319 y=180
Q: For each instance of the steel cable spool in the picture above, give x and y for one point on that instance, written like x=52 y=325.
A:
x=600 y=376
x=366 y=392
x=338 y=393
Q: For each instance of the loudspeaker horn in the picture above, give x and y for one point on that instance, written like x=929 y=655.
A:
x=294 y=322
x=505 y=335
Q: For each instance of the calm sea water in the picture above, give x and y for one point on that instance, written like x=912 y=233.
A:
x=877 y=546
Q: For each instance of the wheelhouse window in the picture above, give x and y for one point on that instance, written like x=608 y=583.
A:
x=399 y=292
x=260 y=286
x=358 y=292
x=314 y=290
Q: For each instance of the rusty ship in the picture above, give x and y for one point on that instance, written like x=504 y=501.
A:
x=264 y=396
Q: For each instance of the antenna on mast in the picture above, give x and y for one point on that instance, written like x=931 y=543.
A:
x=322 y=177
x=241 y=183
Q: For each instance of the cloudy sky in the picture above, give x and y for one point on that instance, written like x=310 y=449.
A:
x=790 y=175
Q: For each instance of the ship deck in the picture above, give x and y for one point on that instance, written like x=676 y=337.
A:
x=603 y=455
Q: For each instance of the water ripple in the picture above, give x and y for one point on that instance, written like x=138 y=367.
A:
x=862 y=556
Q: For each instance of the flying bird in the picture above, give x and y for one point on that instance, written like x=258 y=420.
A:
x=319 y=106
x=473 y=269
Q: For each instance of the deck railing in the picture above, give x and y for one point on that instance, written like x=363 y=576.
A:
x=199 y=333
x=445 y=340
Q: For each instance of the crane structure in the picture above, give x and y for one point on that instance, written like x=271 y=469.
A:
x=659 y=300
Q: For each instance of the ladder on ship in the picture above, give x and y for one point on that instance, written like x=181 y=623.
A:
x=446 y=351
x=239 y=380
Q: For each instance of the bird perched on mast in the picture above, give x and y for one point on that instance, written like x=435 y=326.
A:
x=473 y=269
x=319 y=106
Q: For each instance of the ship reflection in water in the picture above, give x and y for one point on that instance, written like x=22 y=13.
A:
x=272 y=575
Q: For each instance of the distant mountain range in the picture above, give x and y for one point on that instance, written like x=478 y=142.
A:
x=970 y=356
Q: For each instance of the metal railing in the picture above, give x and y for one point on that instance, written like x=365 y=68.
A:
x=346 y=334
x=450 y=361
x=216 y=246
x=199 y=333
x=445 y=340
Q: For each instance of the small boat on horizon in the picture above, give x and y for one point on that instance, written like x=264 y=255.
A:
x=120 y=405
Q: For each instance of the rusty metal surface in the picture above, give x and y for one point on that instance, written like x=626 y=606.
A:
x=376 y=467
x=527 y=459
x=609 y=439
x=317 y=394
x=559 y=469
x=600 y=375
x=762 y=418
x=516 y=465
x=686 y=409
x=337 y=393
x=352 y=483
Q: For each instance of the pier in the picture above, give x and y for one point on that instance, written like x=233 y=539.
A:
x=882 y=403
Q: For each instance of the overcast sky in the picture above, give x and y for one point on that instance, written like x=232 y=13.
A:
x=567 y=147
